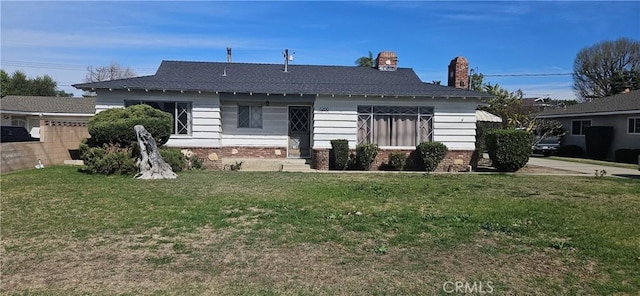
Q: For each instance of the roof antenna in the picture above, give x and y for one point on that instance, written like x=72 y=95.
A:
x=287 y=58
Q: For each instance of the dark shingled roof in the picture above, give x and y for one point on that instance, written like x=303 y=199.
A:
x=271 y=78
x=48 y=104
x=621 y=102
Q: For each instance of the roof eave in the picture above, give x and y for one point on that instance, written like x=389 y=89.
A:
x=583 y=114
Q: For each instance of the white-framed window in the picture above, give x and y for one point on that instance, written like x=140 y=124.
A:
x=249 y=116
x=395 y=126
x=578 y=126
x=19 y=122
x=180 y=112
x=633 y=125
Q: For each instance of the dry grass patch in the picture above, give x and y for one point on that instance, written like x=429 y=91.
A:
x=216 y=261
x=319 y=234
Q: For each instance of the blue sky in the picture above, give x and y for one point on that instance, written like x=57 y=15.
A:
x=63 y=38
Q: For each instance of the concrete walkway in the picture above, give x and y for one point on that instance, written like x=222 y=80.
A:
x=584 y=168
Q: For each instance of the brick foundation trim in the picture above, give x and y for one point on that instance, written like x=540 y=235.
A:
x=454 y=161
x=211 y=157
x=254 y=152
x=320 y=159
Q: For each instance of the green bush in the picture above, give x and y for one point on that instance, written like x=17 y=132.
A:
x=365 y=155
x=174 y=158
x=627 y=155
x=196 y=163
x=397 y=160
x=339 y=154
x=107 y=160
x=115 y=126
x=430 y=154
x=509 y=149
x=570 y=151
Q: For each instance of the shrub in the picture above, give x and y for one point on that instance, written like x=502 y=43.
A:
x=107 y=160
x=115 y=126
x=365 y=156
x=339 y=154
x=196 y=163
x=627 y=155
x=482 y=127
x=570 y=151
x=431 y=154
x=509 y=149
x=118 y=163
x=174 y=158
x=597 y=141
x=397 y=160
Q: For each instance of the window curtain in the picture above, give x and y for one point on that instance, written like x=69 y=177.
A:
x=382 y=130
x=403 y=130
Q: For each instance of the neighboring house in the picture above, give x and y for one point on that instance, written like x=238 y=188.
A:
x=621 y=111
x=234 y=110
x=536 y=104
x=27 y=111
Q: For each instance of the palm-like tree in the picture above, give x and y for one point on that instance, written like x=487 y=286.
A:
x=365 y=61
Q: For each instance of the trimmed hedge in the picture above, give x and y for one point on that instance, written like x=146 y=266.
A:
x=107 y=160
x=597 y=140
x=365 y=156
x=509 y=149
x=115 y=126
x=397 y=161
x=174 y=158
x=627 y=155
x=431 y=154
x=339 y=154
x=570 y=151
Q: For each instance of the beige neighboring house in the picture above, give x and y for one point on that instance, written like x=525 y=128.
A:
x=27 y=111
x=621 y=111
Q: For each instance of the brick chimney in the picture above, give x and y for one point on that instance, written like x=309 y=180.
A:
x=459 y=73
x=387 y=61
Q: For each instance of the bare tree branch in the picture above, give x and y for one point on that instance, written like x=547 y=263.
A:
x=111 y=72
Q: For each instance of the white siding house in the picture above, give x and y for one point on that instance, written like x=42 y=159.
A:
x=226 y=110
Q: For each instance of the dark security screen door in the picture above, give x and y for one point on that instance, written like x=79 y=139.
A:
x=299 y=132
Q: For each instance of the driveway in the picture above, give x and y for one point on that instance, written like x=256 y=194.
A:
x=584 y=168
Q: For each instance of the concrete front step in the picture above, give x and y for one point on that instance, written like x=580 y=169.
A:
x=267 y=164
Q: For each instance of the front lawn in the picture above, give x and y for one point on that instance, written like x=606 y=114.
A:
x=252 y=233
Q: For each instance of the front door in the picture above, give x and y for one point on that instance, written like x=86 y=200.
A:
x=299 y=132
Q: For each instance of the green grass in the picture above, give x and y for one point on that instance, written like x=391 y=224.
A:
x=252 y=233
x=596 y=162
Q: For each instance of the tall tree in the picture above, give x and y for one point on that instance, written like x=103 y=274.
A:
x=112 y=72
x=476 y=82
x=18 y=84
x=365 y=61
x=607 y=68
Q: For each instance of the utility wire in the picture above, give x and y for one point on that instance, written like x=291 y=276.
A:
x=57 y=66
x=527 y=75
x=53 y=66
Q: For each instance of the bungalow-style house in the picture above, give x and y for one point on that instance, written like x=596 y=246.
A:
x=621 y=111
x=28 y=111
x=240 y=110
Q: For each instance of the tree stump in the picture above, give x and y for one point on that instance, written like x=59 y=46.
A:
x=150 y=162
